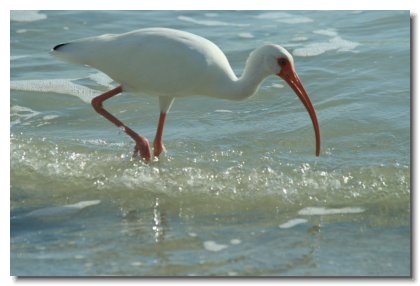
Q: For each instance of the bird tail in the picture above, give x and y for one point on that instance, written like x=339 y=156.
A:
x=68 y=53
x=79 y=51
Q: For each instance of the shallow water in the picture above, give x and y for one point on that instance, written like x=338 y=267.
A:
x=239 y=191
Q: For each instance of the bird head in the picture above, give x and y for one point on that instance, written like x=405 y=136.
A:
x=277 y=60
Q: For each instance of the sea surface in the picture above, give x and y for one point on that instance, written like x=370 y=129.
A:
x=239 y=191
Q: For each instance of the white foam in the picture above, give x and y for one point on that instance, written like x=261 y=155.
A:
x=101 y=79
x=209 y=22
x=315 y=49
x=26 y=16
x=235 y=241
x=136 y=263
x=295 y=20
x=50 y=117
x=283 y=17
x=62 y=86
x=223 y=111
x=326 y=32
x=19 y=113
x=298 y=39
x=324 y=211
x=213 y=246
x=245 y=35
x=62 y=210
x=99 y=142
x=293 y=222
x=269 y=15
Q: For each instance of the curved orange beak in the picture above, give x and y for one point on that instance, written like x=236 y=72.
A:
x=288 y=73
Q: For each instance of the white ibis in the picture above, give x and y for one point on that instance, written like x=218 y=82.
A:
x=170 y=63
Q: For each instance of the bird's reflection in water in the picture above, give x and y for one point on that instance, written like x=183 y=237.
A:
x=147 y=228
x=160 y=223
x=148 y=224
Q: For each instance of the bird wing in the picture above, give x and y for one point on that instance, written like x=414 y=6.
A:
x=156 y=61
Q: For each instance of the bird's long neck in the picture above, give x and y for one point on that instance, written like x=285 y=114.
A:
x=249 y=82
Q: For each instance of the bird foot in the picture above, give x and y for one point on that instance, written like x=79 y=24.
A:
x=142 y=150
x=158 y=148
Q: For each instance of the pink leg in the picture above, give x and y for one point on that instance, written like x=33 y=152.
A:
x=142 y=145
x=158 y=142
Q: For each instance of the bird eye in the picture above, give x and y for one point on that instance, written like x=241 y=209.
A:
x=281 y=61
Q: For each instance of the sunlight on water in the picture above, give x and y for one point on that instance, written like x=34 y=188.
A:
x=225 y=173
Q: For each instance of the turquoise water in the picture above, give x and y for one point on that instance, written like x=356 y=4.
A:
x=239 y=191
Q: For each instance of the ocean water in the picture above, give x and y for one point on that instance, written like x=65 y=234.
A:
x=239 y=191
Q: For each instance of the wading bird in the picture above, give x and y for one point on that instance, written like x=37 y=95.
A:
x=170 y=63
